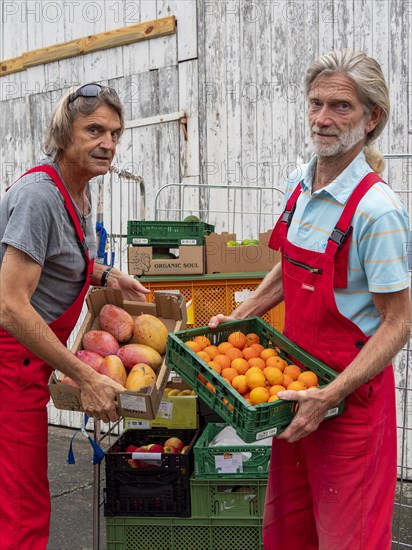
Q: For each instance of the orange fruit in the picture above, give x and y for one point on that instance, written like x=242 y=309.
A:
x=229 y=374
x=257 y=362
x=212 y=351
x=246 y=395
x=240 y=365
x=293 y=371
x=203 y=356
x=309 y=378
x=215 y=366
x=250 y=353
x=234 y=353
x=287 y=380
x=223 y=360
x=252 y=338
x=237 y=339
x=259 y=395
x=257 y=347
x=267 y=352
x=296 y=385
x=194 y=346
x=224 y=346
x=202 y=379
x=203 y=341
x=239 y=383
x=273 y=390
x=255 y=379
x=276 y=361
x=272 y=398
x=273 y=375
x=211 y=387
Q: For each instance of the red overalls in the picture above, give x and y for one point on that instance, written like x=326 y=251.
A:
x=24 y=487
x=334 y=489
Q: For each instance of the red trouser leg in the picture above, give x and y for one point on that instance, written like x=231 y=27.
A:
x=348 y=467
x=288 y=521
x=24 y=488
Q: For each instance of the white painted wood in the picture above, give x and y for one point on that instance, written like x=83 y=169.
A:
x=154 y=120
x=163 y=50
x=189 y=103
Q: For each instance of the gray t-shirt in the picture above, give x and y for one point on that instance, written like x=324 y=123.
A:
x=33 y=219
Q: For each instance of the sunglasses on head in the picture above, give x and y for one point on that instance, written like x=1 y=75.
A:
x=89 y=90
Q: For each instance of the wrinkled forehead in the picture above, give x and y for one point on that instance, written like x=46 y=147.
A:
x=334 y=86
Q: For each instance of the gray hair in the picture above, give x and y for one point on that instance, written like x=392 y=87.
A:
x=59 y=130
x=370 y=84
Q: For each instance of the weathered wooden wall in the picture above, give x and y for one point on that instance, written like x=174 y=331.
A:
x=236 y=68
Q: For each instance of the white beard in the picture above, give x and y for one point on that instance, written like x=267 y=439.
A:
x=344 y=142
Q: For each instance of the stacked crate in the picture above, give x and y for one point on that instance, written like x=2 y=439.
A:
x=167 y=248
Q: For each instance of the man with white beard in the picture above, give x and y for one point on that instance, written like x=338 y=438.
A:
x=344 y=280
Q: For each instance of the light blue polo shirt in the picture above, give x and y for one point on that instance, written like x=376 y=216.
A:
x=378 y=253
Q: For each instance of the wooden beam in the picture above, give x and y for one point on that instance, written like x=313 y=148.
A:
x=88 y=44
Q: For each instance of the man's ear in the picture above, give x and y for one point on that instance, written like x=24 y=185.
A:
x=373 y=118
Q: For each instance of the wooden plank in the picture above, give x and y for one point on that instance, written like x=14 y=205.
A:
x=118 y=37
x=342 y=21
x=189 y=103
x=163 y=51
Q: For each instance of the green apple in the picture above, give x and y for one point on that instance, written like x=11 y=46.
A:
x=231 y=243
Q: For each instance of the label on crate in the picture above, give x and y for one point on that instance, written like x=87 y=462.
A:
x=140 y=241
x=332 y=412
x=266 y=433
x=133 y=403
x=243 y=295
x=229 y=463
x=165 y=409
x=188 y=242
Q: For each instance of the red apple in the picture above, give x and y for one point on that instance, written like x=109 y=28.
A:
x=155 y=448
x=133 y=463
x=130 y=449
x=174 y=442
x=185 y=449
x=170 y=449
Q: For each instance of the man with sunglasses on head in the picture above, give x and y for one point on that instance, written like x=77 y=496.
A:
x=48 y=241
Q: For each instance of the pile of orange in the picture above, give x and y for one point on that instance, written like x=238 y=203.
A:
x=255 y=372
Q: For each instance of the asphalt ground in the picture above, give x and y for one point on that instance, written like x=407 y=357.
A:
x=71 y=489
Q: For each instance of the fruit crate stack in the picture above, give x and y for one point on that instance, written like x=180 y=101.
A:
x=167 y=233
x=227 y=503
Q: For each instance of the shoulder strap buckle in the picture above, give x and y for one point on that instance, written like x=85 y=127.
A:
x=288 y=215
x=339 y=237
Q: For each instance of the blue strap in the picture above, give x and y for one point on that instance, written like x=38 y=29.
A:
x=101 y=250
x=98 y=453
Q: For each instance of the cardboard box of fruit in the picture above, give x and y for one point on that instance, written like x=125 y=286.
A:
x=225 y=254
x=178 y=409
x=114 y=339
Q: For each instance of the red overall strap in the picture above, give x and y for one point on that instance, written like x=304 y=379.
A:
x=281 y=228
x=339 y=241
x=68 y=203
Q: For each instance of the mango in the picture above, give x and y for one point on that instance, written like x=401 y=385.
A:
x=150 y=331
x=91 y=358
x=141 y=376
x=112 y=366
x=117 y=322
x=100 y=342
x=131 y=354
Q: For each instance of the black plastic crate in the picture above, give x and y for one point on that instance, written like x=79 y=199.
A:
x=167 y=234
x=155 y=488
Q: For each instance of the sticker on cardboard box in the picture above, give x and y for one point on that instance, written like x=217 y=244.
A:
x=133 y=403
x=229 y=463
x=165 y=409
x=137 y=424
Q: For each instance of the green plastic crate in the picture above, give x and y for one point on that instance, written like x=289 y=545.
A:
x=207 y=459
x=251 y=423
x=127 y=533
x=228 y=498
x=167 y=234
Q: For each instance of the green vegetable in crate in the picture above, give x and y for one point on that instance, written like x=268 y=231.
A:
x=191 y=218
